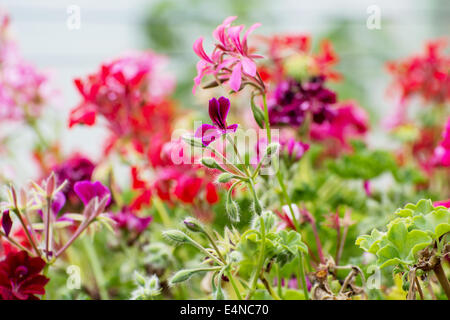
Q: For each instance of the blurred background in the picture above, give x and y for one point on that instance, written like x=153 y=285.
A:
x=109 y=28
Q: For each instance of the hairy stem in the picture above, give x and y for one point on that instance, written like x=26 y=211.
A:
x=440 y=274
x=261 y=259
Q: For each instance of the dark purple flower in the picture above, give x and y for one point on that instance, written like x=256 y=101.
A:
x=218 y=112
x=128 y=220
x=292 y=100
x=6 y=222
x=87 y=191
x=20 y=277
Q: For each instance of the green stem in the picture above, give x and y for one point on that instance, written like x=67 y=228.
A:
x=260 y=260
x=96 y=268
x=303 y=277
x=279 y=288
x=269 y=288
x=163 y=214
x=287 y=198
x=266 y=120
x=211 y=240
x=233 y=284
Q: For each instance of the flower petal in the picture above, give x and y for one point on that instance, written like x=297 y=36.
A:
x=235 y=79
x=249 y=66
x=198 y=49
x=208 y=133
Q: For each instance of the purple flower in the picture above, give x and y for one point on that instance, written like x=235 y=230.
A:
x=218 y=112
x=294 y=149
x=292 y=101
x=128 y=220
x=6 y=222
x=59 y=200
x=76 y=168
x=87 y=191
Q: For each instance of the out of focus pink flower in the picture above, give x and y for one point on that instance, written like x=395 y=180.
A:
x=441 y=156
x=231 y=59
x=444 y=203
x=24 y=91
x=349 y=121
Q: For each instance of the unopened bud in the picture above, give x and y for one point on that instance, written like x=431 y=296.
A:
x=211 y=163
x=193 y=225
x=176 y=236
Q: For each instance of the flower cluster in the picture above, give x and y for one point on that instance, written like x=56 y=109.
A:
x=131 y=94
x=232 y=59
x=23 y=90
x=424 y=75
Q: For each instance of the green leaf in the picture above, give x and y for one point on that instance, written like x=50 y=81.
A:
x=257 y=114
x=370 y=243
x=402 y=245
x=435 y=223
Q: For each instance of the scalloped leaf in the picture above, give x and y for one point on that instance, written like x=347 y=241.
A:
x=424 y=206
x=370 y=243
x=402 y=245
x=435 y=223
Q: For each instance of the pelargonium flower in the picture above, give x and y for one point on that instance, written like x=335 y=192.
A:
x=292 y=101
x=293 y=149
x=20 y=277
x=128 y=220
x=349 y=121
x=425 y=75
x=290 y=56
x=218 y=112
x=87 y=190
x=23 y=89
x=131 y=93
x=231 y=59
x=441 y=156
x=75 y=168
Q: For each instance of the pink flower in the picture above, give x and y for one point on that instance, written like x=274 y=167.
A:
x=231 y=59
x=441 y=156
x=23 y=89
x=444 y=203
x=87 y=191
x=348 y=122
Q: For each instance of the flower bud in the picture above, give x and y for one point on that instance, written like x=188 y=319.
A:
x=272 y=149
x=183 y=275
x=176 y=236
x=225 y=177
x=211 y=163
x=193 y=225
x=6 y=222
x=193 y=141
x=232 y=209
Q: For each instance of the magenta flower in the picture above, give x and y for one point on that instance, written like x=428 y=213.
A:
x=218 y=112
x=441 y=156
x=231 y=59
x=87 y=191
x=294 y=149
x=126 y=219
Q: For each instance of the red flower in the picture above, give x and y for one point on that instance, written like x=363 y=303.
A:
x=424 y=75
x=20 y=277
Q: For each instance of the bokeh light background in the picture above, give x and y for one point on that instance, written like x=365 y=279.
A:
x=109 y=28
